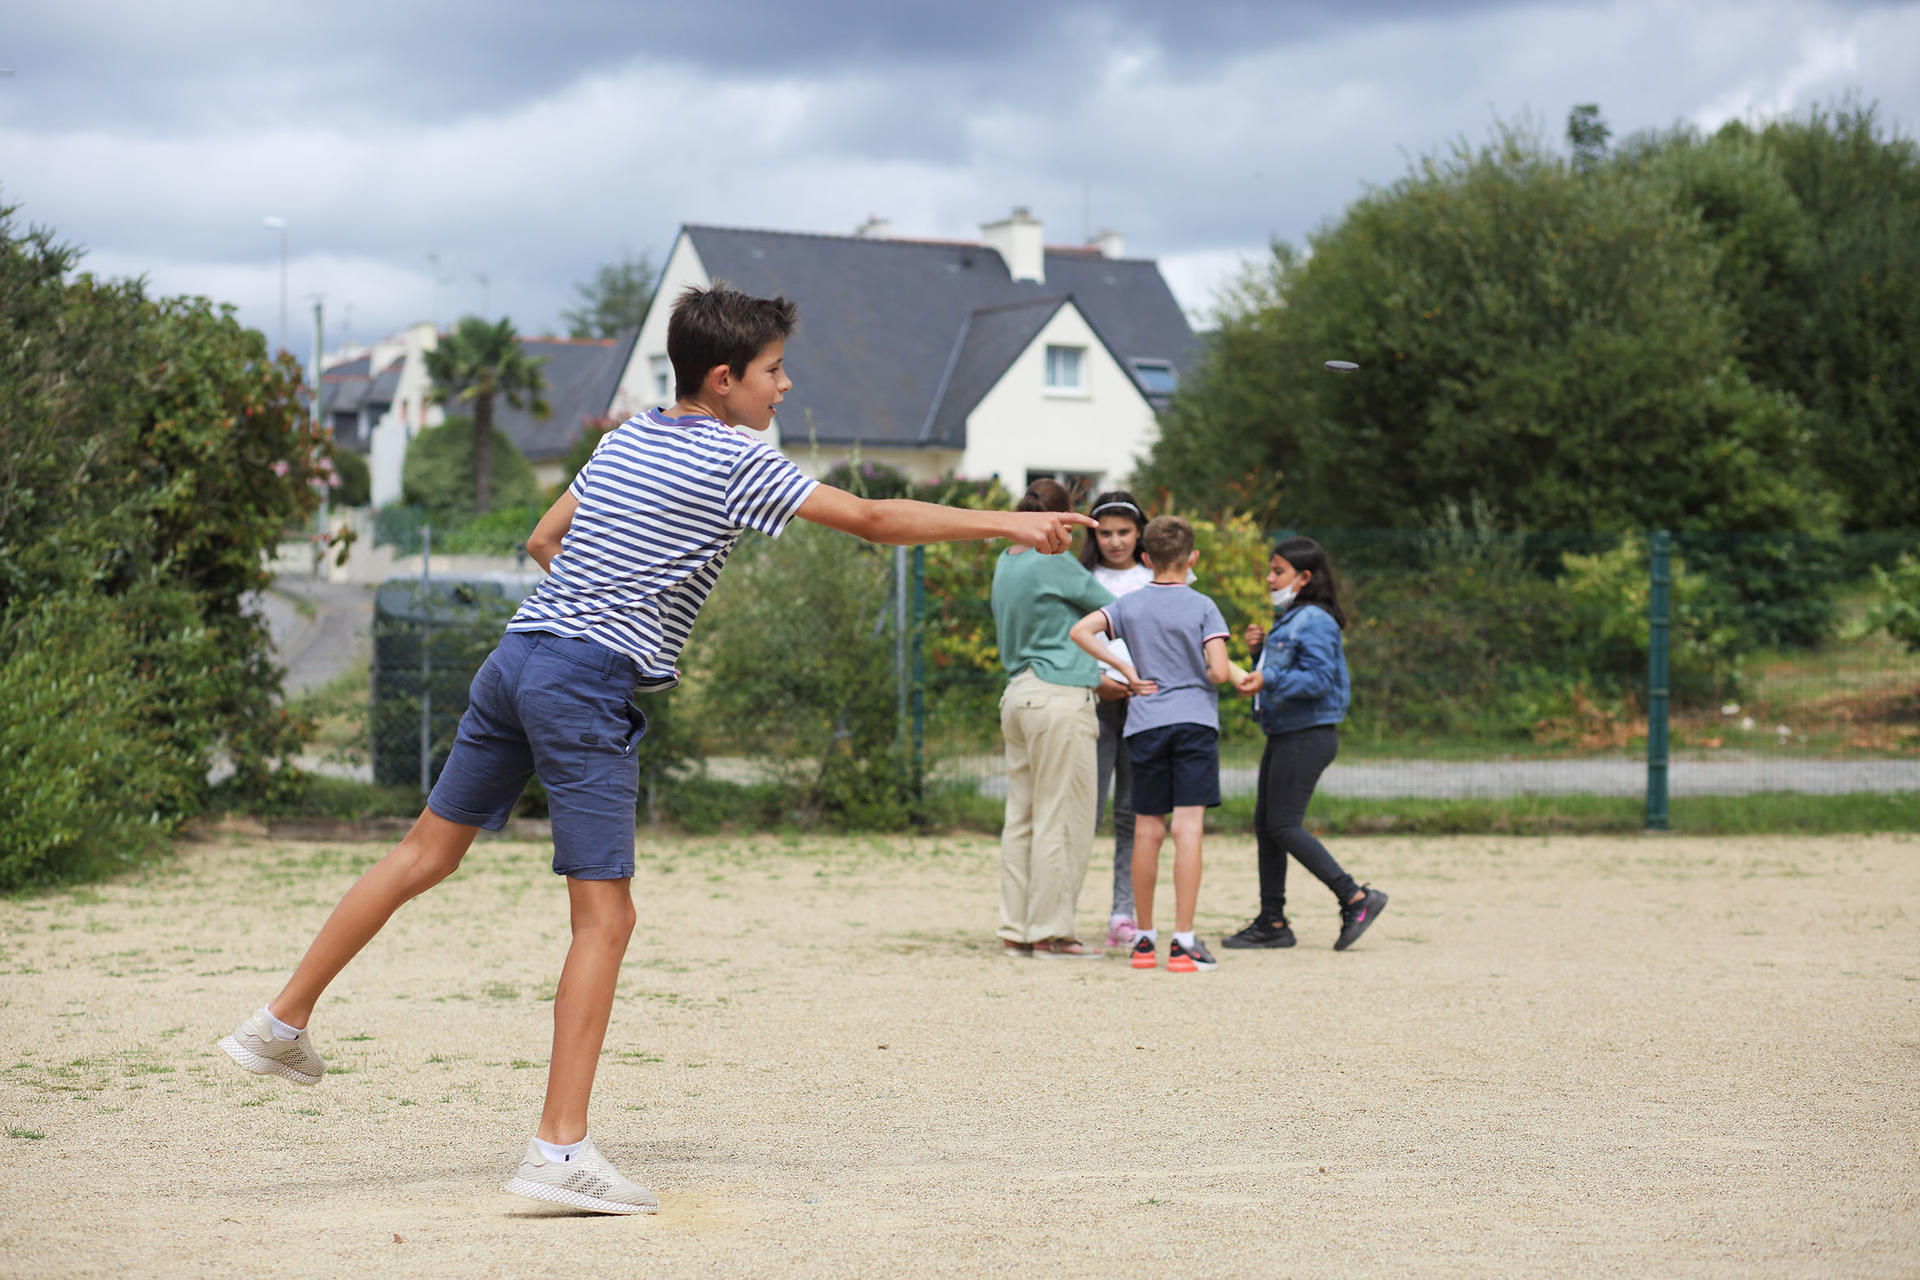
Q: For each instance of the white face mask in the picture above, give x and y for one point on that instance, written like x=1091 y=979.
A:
x=1283 y=597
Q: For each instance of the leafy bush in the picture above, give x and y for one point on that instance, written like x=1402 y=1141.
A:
x=797 y=646
x=89 y=777
x=356 y=479
x=1609 y=598
x=150 y=456
x=1896 y=608
x=438 y=472
x=503 y=531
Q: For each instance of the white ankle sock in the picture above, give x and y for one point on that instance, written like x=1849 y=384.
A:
x=1184 y=939
x=281 y=1031
x=557 y=1152
x=1151 y=935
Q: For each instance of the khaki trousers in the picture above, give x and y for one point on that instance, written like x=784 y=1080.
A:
x=1052 y=737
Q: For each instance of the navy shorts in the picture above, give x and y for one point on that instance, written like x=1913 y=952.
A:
x=1174 y=766
x=560 y=707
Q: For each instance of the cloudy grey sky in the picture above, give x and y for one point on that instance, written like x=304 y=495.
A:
x=533 y=142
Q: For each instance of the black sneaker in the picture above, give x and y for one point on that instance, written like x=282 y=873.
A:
x=1356 y=916
x=1261 y=933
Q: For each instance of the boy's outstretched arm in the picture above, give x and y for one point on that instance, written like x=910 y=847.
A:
x=902 y=522
x=543 y=544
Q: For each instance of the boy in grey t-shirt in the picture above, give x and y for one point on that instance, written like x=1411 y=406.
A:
x=1178 y=642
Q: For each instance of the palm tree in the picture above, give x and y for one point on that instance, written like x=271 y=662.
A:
x=473 y=364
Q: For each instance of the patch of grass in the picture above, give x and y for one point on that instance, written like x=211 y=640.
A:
x=15 y=1131
x=317 y=796
x=1763 y=812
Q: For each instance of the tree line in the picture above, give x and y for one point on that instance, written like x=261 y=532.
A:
x=1698 y=331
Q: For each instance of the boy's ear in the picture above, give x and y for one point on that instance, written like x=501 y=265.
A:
x=1193 y=557
x=719 y=379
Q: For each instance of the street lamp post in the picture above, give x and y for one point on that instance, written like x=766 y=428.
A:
x=274 y=222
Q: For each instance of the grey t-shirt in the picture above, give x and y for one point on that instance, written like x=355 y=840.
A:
x=1166 y=626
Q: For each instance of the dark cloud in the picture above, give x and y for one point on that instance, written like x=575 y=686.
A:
x=221 y=65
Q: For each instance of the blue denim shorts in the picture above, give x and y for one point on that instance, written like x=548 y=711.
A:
x=560 y=707
x=1174 y=766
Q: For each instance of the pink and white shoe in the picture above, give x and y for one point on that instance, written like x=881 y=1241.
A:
x=1121 y=931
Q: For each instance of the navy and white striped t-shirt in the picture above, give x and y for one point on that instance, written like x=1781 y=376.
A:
x=662 y=501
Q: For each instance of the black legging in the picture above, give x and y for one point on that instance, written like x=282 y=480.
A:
x=1290 y=768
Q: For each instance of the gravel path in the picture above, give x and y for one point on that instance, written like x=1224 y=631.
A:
x=1607 y=1057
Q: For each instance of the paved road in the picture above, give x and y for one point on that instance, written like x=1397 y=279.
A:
x=330 y=635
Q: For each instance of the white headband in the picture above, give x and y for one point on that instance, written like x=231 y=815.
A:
x=1118 y=506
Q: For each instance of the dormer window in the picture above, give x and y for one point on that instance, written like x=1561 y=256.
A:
x=1157 y=377
x=662 y=370
x=1064 y=365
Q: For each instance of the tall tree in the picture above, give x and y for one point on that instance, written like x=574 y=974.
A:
x=1548 y=342
x=616 y=298
x=1587 y=134
x=473 y=364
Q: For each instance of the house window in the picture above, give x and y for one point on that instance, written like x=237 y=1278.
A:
x=1157 y=377
x=662 y=370
x=1063 y=369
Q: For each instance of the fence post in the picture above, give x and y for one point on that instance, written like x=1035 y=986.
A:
x=919 y=680
x=426 y=659
x=900 y=674
x=1658 y=627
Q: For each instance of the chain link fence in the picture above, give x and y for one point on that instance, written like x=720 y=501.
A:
x=1646 y=671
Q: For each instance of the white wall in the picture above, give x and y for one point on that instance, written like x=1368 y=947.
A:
x=915 y=464
x=636 y=389
x=387 y=447
x=1021 y=425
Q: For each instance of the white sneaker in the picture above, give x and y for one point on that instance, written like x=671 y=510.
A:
x=588 y=1181
x=254 y=1046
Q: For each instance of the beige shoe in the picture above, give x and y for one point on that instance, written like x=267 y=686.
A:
x=254 y=1046
x=588 y=1181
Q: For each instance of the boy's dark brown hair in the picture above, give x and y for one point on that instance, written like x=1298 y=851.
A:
x=1045 y=495
x=721 y=325
x=1168 y=541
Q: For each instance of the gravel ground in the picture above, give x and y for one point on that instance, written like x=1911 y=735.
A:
x=1564 y=1056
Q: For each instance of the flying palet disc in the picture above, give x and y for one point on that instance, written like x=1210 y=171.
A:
x=1341 y=366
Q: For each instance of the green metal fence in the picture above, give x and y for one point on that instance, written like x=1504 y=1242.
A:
x=1660 y=671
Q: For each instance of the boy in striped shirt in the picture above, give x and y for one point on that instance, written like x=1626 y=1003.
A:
x=631 y=551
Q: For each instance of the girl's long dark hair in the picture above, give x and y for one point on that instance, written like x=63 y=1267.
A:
x=1323 y=588
x=1090 y=546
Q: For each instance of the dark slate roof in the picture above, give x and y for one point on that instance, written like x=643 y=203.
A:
x=381 y=390
x=343 y=388
x=991 y=338
x=885 y=325
x=581 y=376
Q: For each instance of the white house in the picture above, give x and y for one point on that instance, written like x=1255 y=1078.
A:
x=1003 y=357
x=378 y=402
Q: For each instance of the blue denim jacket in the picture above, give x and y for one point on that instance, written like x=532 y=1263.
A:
x=1305 y=668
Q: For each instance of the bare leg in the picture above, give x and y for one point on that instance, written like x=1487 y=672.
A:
x=425 y=856
x=1149 y=829
x=1187 y=822
x=602 y=922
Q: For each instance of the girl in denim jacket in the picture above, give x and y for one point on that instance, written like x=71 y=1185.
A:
x=1300 y=693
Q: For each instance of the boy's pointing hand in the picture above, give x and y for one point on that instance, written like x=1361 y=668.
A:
x=1048 y=531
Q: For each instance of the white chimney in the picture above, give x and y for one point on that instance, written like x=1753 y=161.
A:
x=1110 y=243
x=1017 y=240
x=874 y=228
